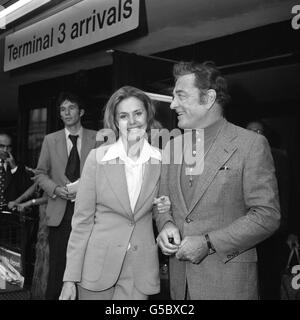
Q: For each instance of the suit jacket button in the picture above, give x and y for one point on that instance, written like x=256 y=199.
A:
x=131 y=223
x=135 y=248
x=188 y=220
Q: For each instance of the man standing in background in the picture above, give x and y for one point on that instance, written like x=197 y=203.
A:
x=61 y=161
x=14 y=179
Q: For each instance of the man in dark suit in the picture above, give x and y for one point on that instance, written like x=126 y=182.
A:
x=14 y=179
x=61 y=161
x=224 y=203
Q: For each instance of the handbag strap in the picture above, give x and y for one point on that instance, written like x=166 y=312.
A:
x=293 y=250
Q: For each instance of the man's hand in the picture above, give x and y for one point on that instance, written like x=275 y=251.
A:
x=62 y=192
x=169 y=239
x=68 y=291
x=11 y=161
x=193 y=249
x=12 y=204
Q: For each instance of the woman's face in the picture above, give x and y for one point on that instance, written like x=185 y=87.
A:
x=132 y=119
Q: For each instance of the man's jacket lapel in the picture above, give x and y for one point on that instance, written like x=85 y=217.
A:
x=61 y=148
x=219 y=153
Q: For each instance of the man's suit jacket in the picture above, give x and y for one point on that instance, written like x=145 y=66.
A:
x=236 y=203
x=16 y=184
x=103 y=225
x=51 y=168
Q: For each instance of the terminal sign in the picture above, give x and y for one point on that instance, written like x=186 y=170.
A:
x=83 y=24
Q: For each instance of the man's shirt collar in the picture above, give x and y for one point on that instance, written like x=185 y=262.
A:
x=79 y=133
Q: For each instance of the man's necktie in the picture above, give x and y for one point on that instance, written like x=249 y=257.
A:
x=73 y=166
x=2 y=182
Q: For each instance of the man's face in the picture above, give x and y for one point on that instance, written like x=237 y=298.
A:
x=5 y=146
x=186 y=103
x=70 y=113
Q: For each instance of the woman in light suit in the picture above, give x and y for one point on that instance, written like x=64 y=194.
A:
x=112 y=252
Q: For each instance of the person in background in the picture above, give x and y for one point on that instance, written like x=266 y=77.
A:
x=30 y=198
x=222 y=210
x=112 y=254
x=60 y=164
x=14 y=178
x=272 y=251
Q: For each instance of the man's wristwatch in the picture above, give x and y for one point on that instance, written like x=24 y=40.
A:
x=211 y=248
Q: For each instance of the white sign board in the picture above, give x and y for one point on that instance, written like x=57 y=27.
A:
x=85 y=23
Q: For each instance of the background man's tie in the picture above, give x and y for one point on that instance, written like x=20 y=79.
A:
x=73 y=166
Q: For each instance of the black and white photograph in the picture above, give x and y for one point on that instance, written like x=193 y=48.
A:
x=149 y=152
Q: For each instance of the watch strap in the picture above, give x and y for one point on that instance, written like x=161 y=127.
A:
x=211 y=249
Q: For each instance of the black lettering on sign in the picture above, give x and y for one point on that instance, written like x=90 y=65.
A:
x=15 y=53
x=82 y=22
x=62 y=30
x=119 y=10
x=10 y=47
x=112 y=16
x=94 y=20
x=127 y=9
x=101 y=19
x=87 y=29
x=74 y=31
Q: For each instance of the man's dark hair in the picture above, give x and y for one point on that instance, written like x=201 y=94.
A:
x=208 y=76
x=70 y=96
x=5 y=133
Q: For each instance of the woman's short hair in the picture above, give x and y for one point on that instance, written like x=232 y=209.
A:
x=110 y=113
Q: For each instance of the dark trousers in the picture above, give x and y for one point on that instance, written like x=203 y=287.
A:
x=58 y=242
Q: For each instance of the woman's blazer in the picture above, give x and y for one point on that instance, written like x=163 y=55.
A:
x=103 y=225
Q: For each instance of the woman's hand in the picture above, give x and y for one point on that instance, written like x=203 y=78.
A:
x=163 y=204
x=68 y=291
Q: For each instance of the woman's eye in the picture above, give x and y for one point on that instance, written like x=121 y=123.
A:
x=139 y=114
x=123 y=116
